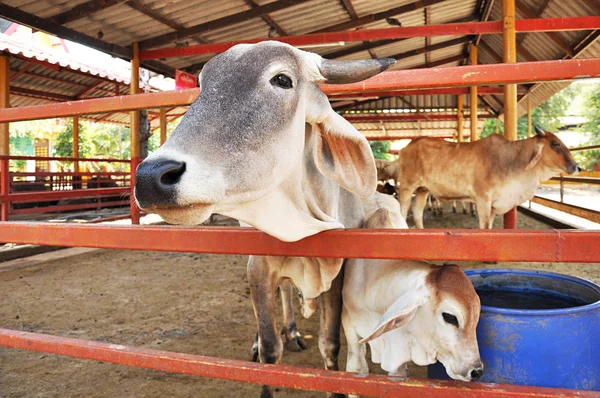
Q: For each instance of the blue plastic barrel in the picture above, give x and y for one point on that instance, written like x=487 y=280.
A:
x=537 y=328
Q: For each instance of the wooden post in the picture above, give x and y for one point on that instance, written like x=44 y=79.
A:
x=4 y=134
x=473 y=93
x=460 y=119
x=497 y=126
x=76 y=143
x=163 y=125
x=529 y=121
x=134 y=129
x=509 y=55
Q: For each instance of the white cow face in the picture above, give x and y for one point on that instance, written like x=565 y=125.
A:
x=440 y=321
x=245 y=135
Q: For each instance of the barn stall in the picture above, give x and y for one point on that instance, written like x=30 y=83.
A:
x=293 y=22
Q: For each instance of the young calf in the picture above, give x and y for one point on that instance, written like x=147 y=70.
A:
x=409 y=310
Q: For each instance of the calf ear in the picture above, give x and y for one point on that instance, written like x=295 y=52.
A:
x=341 y=153
x=399 y=313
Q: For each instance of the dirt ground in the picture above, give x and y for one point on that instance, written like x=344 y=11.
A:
x=191 y=303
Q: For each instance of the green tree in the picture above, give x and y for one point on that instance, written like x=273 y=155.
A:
x=381 y=149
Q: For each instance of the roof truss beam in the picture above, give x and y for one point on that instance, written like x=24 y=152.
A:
x=379 y=16
x=84 y=10
x=219 y=23
x=552 y=35
x=51 y=27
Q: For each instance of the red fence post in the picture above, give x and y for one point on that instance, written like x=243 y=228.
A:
x=5 y=188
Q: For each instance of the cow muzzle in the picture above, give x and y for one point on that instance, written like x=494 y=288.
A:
x=156 y=182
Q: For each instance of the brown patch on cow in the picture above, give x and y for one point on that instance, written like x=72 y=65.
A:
x=449 y=281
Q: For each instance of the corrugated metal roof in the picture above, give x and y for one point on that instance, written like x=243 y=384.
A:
x=121 y=24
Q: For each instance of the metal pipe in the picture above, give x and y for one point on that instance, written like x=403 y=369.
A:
x=462 y=76
x=348 y=36
x=509 y=55
x=429 y=244
x=4 y=135
x=460 y=119
x=163 y=125
x=76 y=143
x=473 y=94
x=529 y=116
x=274 y=375
x=134 y=130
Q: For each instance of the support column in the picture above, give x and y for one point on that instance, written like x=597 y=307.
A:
x=473 y=94
x=163 y=125
x=509 y=55
x=529 y=121
x=76 y=143
x=460 y=119
x=4 y=134
x=134 y=130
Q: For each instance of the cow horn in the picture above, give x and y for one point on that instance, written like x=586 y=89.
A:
x=342 y=72
x=539 y=131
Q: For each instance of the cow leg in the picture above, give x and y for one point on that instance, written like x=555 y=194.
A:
x=418 y=207
x=263 y=284
x=484 y=210
x=293 y=339
x=454 y=206
x=405 y=199
x=356 y=361
x=472 y=206
x=491 y=220
x=430 y=204
x=331 y=319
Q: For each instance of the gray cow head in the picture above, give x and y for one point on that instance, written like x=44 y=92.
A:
x=240 y=149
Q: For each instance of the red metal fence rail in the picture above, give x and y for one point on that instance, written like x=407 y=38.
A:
x=283 y=376
x=412 y=79
x=430 y=244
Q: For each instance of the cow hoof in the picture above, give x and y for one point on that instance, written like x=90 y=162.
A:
x=295 y=344
x=293 y=341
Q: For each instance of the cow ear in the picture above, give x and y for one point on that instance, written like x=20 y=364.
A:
x=536 y=156
x=343 y=155
x=399 y=313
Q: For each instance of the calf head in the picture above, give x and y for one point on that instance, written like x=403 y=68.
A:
x=440 y=320
x=553 y=154
x=245 y=136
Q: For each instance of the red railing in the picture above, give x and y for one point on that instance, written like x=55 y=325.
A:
x=48 y=192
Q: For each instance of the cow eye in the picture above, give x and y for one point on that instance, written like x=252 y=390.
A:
x=449 y=318
x=555 y=144
x=282 y=81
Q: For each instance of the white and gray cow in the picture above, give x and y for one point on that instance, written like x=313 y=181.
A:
x=262 y=144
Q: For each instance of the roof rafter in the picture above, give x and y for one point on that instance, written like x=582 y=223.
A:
x=552 y=35
x=367 y=19
x=437 y=46
x=51 y=27
x=84 y=10
x=158 y=16
x=268 y=19
x=219 y=23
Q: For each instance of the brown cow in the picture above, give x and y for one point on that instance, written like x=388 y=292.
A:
x=495 y=173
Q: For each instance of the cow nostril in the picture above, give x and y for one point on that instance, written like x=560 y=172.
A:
x=476 y=374
x=579 y=169
x=173 y=173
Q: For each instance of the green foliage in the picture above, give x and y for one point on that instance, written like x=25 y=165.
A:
x=591 y=106
x=381 y=149
x=546 y=115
